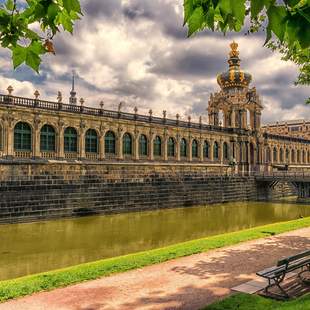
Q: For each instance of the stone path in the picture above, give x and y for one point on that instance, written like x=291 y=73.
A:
x=185 y=283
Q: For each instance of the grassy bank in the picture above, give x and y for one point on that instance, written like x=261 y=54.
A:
x=63 y=277
x=254 y=302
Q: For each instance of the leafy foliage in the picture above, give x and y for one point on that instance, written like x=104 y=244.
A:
x=28 y=27
x=286 y=23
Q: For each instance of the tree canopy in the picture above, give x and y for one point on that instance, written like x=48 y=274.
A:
x=286 y=24
x=27 y=27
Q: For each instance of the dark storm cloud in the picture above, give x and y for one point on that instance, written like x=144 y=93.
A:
x=160 y=12
x=188 y=63
x=101 y=8
x=143 y=89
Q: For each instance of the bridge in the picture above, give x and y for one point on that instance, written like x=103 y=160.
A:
x=300 y=180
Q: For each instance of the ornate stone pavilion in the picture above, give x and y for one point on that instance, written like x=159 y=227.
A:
x=34 y=129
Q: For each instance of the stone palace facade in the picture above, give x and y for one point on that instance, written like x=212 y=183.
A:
x=34 y=129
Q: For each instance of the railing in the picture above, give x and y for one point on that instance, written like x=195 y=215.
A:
x=71 y=155
x=58 y=106
x=23 y=154
x=48 y=155
x=92 y=156
x=280 y=174
x=285 y=138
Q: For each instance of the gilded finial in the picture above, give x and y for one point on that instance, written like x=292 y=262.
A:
x=234 y=49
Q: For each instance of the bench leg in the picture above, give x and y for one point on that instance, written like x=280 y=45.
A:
x=277 y=282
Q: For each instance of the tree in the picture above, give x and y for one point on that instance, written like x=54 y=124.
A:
x=27 y=27
x=286 y=24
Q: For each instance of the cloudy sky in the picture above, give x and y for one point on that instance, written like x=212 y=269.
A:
x=137 y=51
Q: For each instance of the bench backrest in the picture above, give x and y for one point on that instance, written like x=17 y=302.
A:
x=287 y=260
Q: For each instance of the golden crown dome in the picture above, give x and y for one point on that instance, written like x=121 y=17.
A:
x=234 y=77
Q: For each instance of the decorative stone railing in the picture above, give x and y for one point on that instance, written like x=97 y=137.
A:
x=23 y=154
x=58 y=106
x=92 y=156
x=50 y=155
x=71 y=155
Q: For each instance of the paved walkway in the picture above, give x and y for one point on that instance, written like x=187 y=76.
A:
x=185 y=283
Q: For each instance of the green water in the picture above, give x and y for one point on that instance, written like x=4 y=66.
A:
x=36 y=247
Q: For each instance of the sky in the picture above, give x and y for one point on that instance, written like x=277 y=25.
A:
x=137 y=51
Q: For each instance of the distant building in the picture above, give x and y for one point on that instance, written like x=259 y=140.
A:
x=293 y=128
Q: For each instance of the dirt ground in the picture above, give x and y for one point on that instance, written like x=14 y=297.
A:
x=184 y=283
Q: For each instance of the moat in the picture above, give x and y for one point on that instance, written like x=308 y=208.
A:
x=36 y=247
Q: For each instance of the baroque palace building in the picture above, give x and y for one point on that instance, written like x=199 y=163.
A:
x=34 y=129
x=293 y=128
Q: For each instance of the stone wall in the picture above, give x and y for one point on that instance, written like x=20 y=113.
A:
x=31 y=191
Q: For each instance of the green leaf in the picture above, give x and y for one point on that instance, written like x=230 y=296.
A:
x=238 y=10
x=292 y=3
x=9 y=5
x=256 y=7
x=210 y=17
x=64 y=19
x=19 y=54
x=33 y=60
x=52 y=11
x=225 y=7
x=196 y=20
x=277 y=18
x=72 y=5
x=188 y=10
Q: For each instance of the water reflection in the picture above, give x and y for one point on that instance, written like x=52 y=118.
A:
x=37 y=247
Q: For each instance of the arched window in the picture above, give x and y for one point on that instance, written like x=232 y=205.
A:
x=215 y=151
x=293 y=156
x=298 y=156
x=22 y=137
x=194 y=149
x=109 y=143
x=206 y=149
x=281 y=155
x=287 y=155
x=157 y=146
x=70 y=140
x=171 y=147
x=308 y=156
x=275 y=154
x=143 y=145
x=91 y=141
x=47 y=139
x=183 y=148
x=225 y=150
x=127 y=144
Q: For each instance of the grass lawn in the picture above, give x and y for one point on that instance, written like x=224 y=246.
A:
x=88 y=271
x=254 y=302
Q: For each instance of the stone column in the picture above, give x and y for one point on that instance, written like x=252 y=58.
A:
x=189 y=149
x=60 y=140
x=36 y=141
x=177 y=149
x=233 y=119
x=81 y=144
x=119 y=146
x=136 y=147
x=211 y=149
x=9 y=138
x=200 y=150
x=101 y=146
x=151 y=147
x=221 y=151
x=165 y=148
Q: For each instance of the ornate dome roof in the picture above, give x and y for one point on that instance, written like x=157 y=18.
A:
x=234 y=77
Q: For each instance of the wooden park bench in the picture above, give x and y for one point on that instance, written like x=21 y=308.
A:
x=276 y=274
